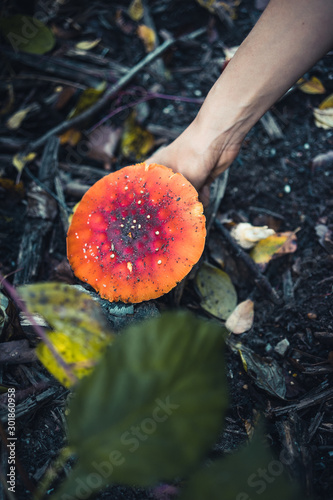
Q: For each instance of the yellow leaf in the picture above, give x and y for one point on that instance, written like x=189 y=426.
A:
x=327 y=103
x=17 y=118
x=80 y=333
x=71 y=137
x=218 y=294
x=148 y=36
x=312 y=86
x=208 y=4
x=87 y=99
x=80 y=353
x=88 y=44
x=241 y=318
x=19 y=161
x=135 y=10
x=273 y=246
x=135 y=142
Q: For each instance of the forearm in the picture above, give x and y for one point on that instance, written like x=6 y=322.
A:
x=288 y=39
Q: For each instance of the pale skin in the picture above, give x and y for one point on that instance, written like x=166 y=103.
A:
x=289 y=38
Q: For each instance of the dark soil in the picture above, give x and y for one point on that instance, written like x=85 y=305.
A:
x=273 y=182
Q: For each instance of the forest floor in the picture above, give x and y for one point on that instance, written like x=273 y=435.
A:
x=274 y=181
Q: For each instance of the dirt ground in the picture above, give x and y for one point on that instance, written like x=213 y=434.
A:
x=274 y=181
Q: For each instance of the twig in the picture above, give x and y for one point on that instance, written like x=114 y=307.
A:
x=259 y=279
x=38 y=329
x=109 y=94
x=306 y=402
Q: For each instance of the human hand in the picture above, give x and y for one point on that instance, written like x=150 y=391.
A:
x=199 y=156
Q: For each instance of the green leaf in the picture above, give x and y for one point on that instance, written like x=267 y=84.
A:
x=27 y=34
x=81 y=332
x=252 y=473
x=218 y=294
x=152 y=408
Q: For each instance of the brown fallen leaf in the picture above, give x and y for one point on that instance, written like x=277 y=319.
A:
x=71 y=137
x=148 y=36
x=241 y=318
x=103 y=142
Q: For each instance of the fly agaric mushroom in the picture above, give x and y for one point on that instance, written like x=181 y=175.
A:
x=136 y=233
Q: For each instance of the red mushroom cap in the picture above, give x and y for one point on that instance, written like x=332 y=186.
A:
x=136 y=233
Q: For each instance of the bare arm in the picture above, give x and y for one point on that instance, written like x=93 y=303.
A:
x=290 y=36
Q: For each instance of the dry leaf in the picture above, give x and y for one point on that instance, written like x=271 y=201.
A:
x=274 y=246
x=327 y=103
x=19 y=161
x=71 y=137
x=325 y=236
x=324 y=113
x=218 y=294
x=103 y=142
x=247 y=235
x=148 y=36
x=135 y=142
x=312 y=86
x=14 y=122
x=241 y=318
x=88 y=44
x=88 y=97
x=135 y=10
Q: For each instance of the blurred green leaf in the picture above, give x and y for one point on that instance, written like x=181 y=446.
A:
x=252 y=473
x=152 y=408
x=27 y=34
x=218 y=294
x=81 y=332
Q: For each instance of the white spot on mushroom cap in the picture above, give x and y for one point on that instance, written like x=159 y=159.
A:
x=159 y=262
